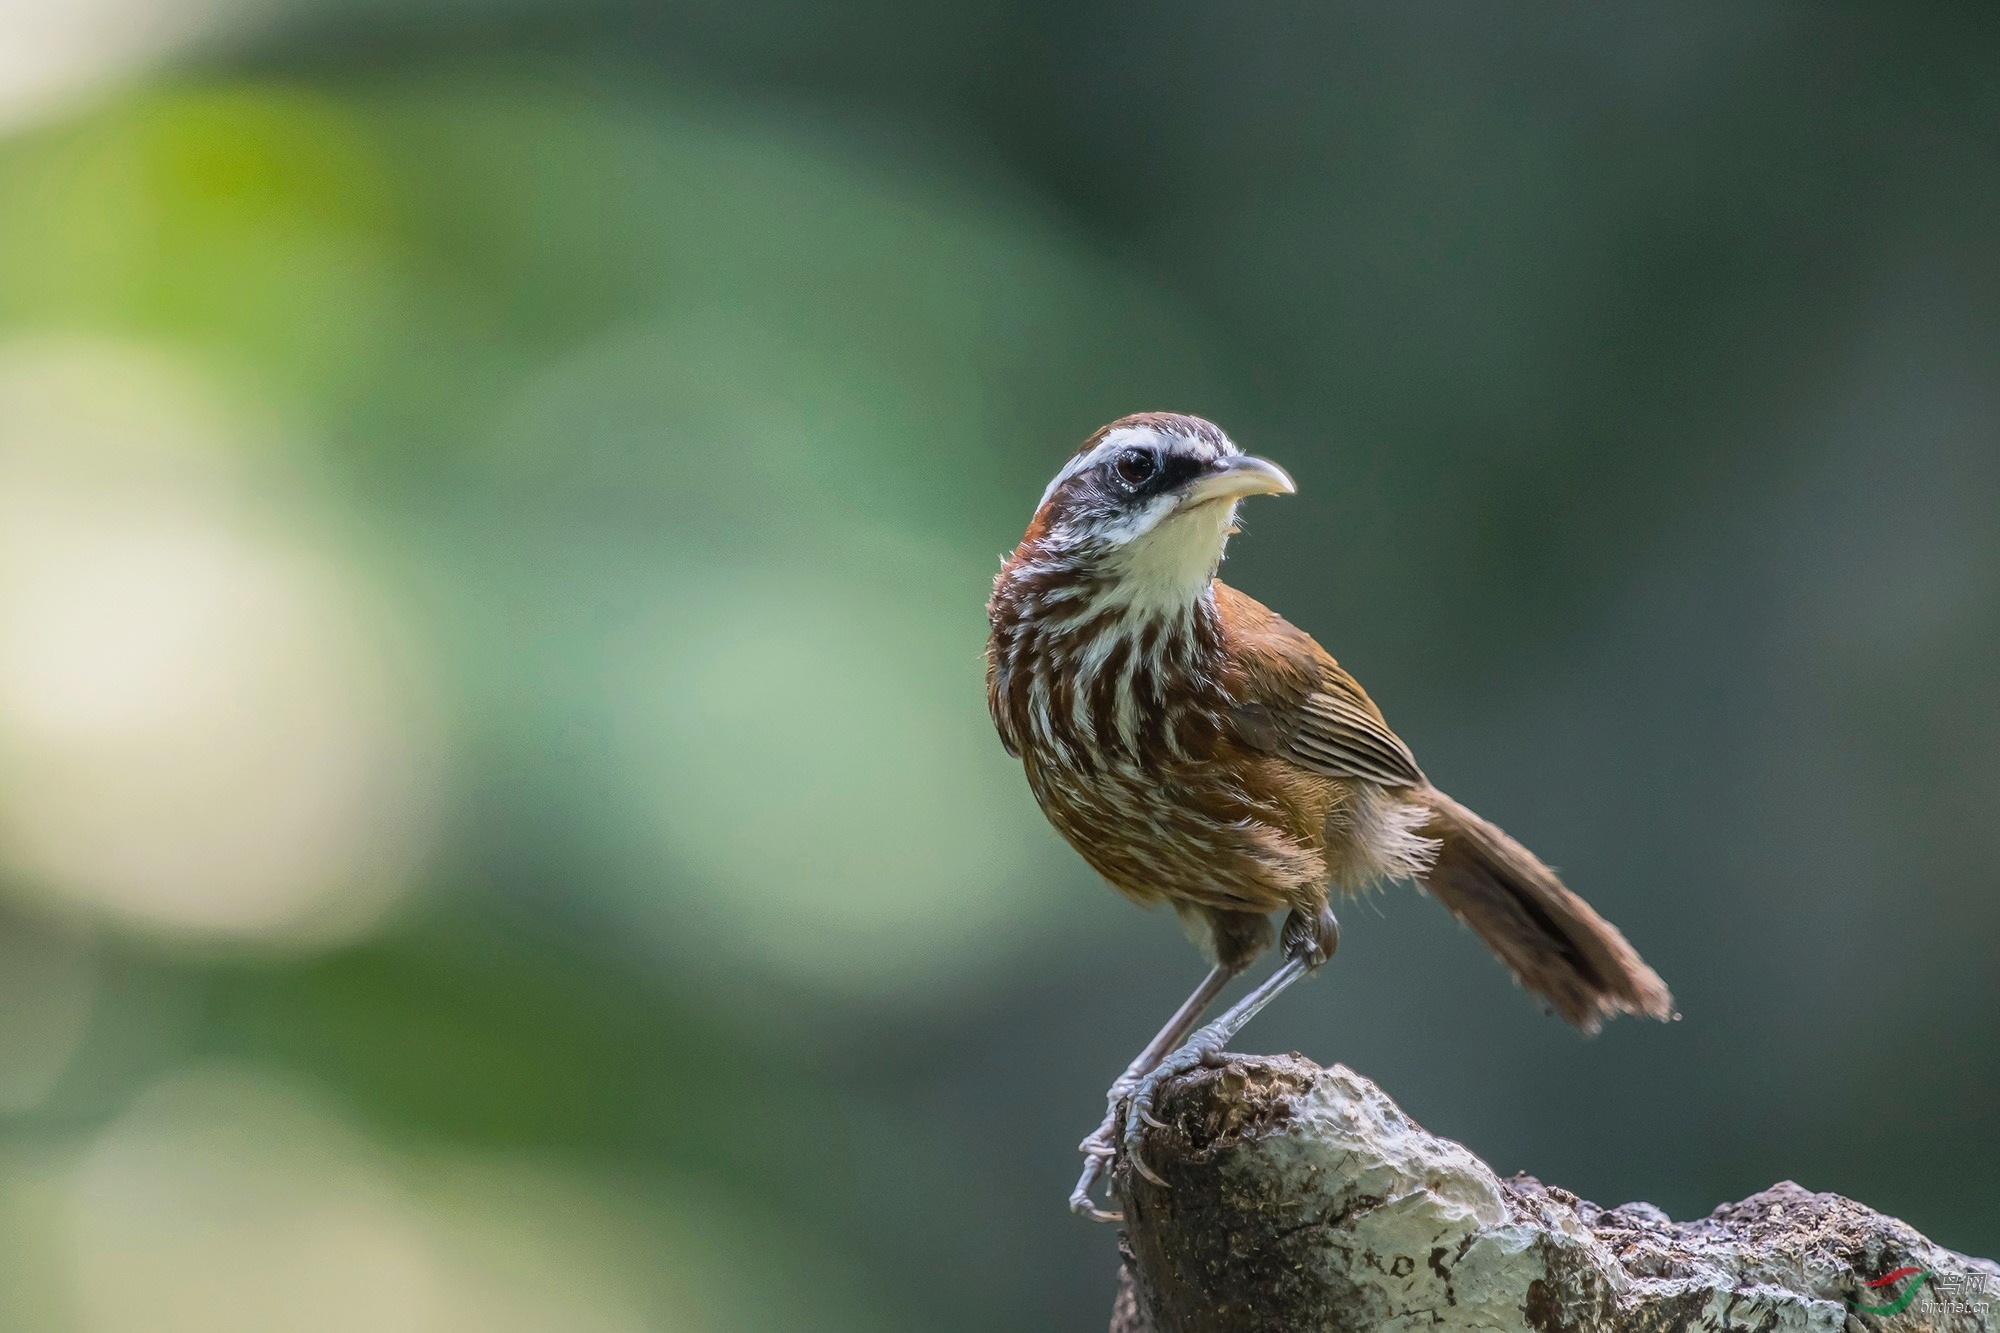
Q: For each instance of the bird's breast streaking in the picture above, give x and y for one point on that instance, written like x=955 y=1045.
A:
x=1194 y=747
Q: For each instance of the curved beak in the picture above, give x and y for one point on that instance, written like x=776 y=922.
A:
x=1234 y=478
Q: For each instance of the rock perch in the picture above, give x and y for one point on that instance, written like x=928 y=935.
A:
x=1304 y=1200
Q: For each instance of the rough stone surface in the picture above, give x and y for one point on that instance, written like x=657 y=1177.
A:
x=1302 y=1199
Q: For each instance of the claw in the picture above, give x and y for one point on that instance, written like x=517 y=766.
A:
x=1145 y=1113
x=1139 y=1165
x=1080 y=1201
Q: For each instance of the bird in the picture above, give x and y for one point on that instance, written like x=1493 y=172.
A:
x=1198 y=749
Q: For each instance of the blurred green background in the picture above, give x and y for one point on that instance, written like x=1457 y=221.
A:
x=498 y=824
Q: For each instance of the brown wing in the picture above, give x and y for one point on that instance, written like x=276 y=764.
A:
x=1297 y=702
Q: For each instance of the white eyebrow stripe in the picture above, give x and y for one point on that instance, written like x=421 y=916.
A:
x=1125 y=437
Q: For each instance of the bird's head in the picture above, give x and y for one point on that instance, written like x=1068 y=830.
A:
x=1147 y=504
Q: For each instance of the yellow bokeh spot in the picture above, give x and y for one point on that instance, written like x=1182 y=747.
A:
x=204 y=729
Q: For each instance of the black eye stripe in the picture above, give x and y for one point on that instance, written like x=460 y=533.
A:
x=1144 y=473
x=1177 y=470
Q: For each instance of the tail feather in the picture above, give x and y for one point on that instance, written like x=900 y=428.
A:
x=1552 y=941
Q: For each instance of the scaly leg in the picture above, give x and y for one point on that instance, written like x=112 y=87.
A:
x=1202 y=1048
x=1101 y=1146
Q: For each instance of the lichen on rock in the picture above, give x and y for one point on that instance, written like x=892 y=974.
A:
x=1302 y=1199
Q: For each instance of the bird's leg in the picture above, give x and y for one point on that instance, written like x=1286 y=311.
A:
x=1102 y=1145
x=1308 y=943
x=1204 y=1047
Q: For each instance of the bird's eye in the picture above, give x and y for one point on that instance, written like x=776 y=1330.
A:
x=1135 y=467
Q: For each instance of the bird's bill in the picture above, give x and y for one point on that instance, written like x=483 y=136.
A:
x=1238 y=476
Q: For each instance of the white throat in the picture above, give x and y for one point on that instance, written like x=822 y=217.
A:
x=1167 y=569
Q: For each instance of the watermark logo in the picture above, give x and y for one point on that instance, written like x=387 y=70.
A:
x=1950 y=1293
x=1889 y=1280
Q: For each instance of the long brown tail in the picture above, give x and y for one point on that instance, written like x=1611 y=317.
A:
x=1551 y=940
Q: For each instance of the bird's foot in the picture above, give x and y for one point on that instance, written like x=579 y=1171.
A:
x=1203 y=1048
x=1099 y=1150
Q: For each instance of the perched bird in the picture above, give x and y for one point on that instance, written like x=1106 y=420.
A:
x=1197 y=749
